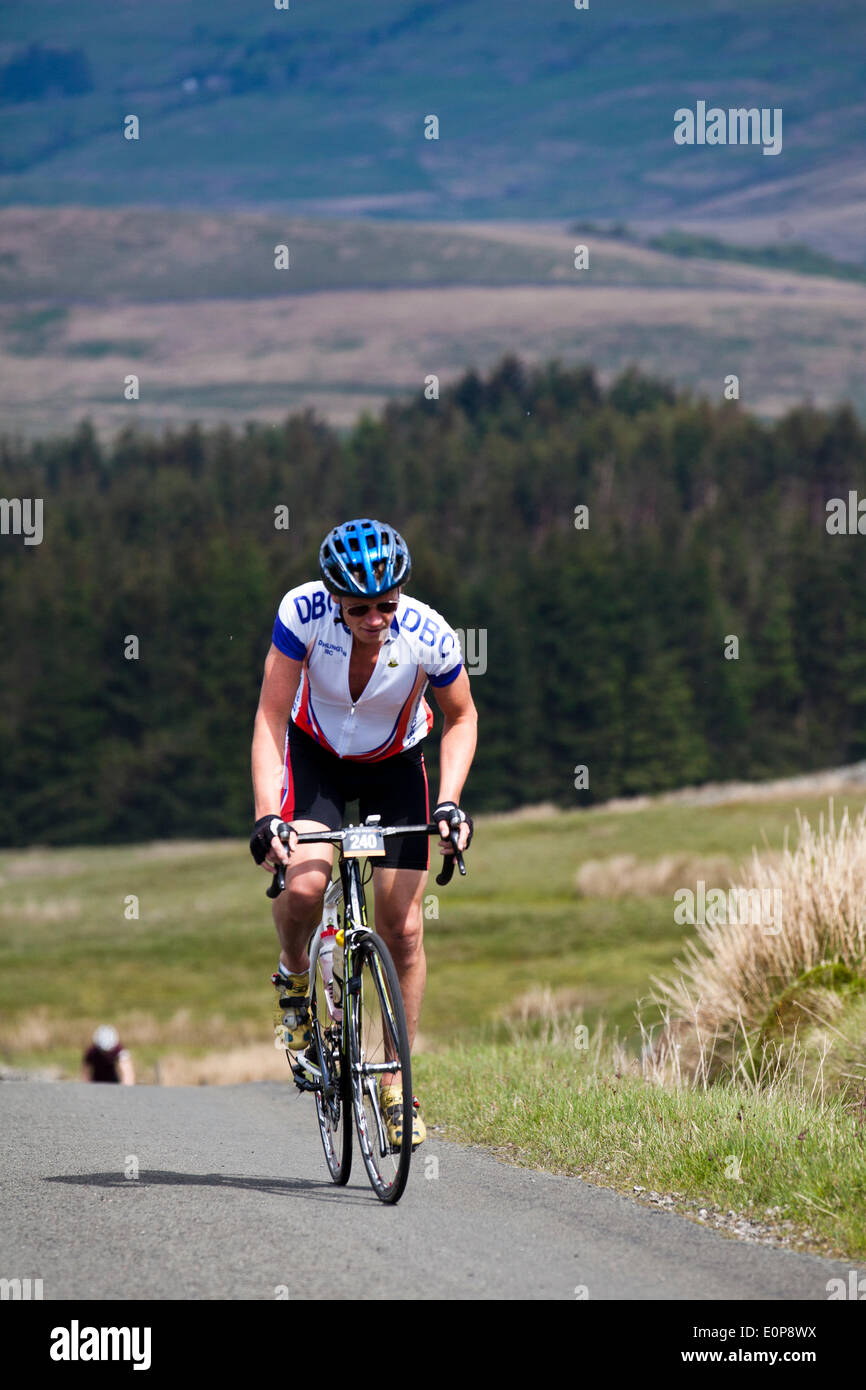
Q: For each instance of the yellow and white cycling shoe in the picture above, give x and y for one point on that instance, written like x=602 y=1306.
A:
x=391 y=1101
x=292 y=1023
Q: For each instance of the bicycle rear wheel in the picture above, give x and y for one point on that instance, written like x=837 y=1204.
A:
x=333 y=1094
x=378 y=1046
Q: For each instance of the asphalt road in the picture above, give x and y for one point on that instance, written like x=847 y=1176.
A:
x=232 y=1194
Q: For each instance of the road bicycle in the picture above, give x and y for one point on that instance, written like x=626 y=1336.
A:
x=358 y=1023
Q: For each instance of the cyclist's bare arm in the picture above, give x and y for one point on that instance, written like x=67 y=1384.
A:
x=457 y=747
x=279 y=687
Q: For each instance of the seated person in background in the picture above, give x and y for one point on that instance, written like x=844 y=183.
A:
x=107 y=1059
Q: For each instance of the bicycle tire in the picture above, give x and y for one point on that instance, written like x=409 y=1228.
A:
x=334 y=1108
x=377 y=1034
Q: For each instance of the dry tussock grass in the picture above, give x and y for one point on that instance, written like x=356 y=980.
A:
x=239 y=1051
x=160 y=850
x=33 y=1031
x=623 y=875
x=37 y=863
x=44 y=1028
x=828 y=782
x=733 y=973
x=542 y=1002
x=253 y=1062
x=542 y=810
x=259 y=1061
x=560 y=1016
x=49 y=910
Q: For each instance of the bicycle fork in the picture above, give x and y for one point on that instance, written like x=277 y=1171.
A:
x=369 y=1071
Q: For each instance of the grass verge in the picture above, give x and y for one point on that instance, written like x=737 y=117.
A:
x=770 y=1165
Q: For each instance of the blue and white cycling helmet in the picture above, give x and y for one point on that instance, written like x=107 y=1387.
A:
x=363 y=557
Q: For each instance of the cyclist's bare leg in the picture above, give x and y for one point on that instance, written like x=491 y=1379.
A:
x=298 y=910
x=399 y=921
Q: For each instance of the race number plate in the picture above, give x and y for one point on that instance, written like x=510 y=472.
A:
x=363 y=841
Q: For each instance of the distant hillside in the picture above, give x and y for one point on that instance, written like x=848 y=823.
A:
x=191 y=303
x=545 y=111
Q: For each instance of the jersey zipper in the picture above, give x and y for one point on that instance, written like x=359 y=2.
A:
x=347 y=731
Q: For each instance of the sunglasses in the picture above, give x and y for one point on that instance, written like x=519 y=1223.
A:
x=361 y=608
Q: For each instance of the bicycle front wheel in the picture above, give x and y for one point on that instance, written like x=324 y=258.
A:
x=378 y=1046
x=333 y=1093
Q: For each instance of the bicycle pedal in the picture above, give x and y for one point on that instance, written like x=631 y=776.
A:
x=302 y=1081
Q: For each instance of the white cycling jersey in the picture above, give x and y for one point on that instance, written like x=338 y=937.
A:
x=391 y=713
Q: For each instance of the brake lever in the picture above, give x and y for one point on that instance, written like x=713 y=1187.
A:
x=278 y=882
x=448 y=867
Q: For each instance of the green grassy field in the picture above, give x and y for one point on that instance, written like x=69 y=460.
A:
x=519 y=958
x=191 y=972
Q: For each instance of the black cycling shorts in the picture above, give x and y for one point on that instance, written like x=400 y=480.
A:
x=318 y=785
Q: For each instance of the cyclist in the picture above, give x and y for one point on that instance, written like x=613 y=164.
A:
x=341 y=716
x=107 y=1059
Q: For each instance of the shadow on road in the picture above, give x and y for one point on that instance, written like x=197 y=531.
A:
x=154 y=1177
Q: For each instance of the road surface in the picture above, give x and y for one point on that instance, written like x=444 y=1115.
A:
x=232 y=1189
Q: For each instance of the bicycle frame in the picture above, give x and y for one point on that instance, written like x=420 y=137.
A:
x=346 y=889
x=322 y=1067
